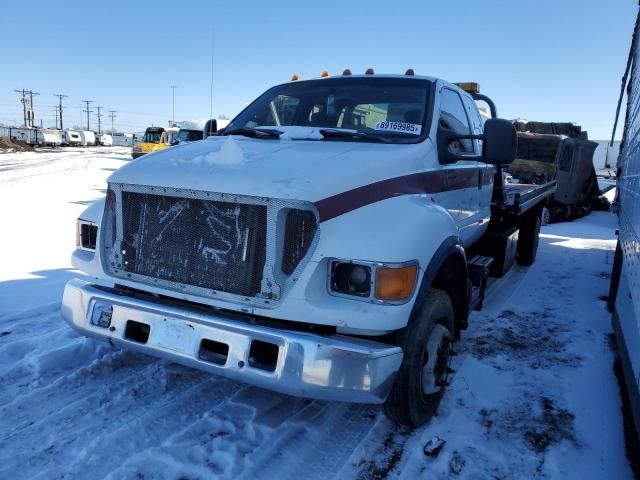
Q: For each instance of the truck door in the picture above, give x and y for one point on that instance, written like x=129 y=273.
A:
x=485 y=171
x=460 y=195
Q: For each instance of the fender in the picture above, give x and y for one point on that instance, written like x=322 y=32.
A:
x=449 y=250
x=93 y=213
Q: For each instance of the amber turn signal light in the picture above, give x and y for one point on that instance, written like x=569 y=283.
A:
x=395 y=283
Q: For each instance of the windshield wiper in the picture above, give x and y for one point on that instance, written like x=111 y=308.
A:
x=254 y=132
x=331 y=133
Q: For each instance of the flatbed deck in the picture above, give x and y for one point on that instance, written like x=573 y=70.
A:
x=521 y=197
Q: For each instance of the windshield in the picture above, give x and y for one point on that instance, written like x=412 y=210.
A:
x=152 y=137
x=393 y=108
x=189 y=135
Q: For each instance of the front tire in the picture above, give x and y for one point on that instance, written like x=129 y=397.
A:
x=422 y=378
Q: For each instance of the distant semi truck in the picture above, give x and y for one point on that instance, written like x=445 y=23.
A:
x=560 y=152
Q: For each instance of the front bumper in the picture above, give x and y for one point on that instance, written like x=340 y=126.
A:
x=307 y=365
x=137 y=154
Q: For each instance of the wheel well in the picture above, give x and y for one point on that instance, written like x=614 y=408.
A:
x=452 y=278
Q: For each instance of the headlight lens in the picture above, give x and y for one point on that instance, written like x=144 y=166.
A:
x=86 y=235
x=351 y=279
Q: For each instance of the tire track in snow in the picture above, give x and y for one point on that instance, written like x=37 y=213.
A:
x=315 y=443
x=221 y=442
x=87 y=418
x=88 y=383
x=151 y=428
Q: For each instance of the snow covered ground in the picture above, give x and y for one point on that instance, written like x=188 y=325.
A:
x=534 y=395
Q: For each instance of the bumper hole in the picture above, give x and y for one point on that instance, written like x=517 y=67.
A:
x=137 y=331
x=214 y=352
x=263 y=355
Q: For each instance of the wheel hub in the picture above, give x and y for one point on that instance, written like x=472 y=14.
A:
x=436 y=368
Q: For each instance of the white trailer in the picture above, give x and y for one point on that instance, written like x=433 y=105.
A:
x=49 y=137
x=24 y=134
x=105 y=140
x=122 y=139
x=71 y=138
x=87 y=138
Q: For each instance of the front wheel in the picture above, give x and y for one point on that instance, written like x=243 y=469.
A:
x=423 y=375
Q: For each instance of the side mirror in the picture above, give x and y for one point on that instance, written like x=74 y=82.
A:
x=210 y=128
x=500 y=143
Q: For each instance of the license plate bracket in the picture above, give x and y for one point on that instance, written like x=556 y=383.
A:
x=174 y=334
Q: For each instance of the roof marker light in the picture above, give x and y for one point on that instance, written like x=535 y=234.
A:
x=294 y=78
x=409 y=71
x=369 y=71
x=469 y=87
x=346 y=72
x=325 y=73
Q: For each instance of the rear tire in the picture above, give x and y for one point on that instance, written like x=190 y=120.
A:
x=528 y=239
x=433 y=327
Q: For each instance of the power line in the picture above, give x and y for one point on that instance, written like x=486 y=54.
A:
x=60 y=97
x=88 y=110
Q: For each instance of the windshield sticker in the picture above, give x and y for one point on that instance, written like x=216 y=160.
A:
x=402 y=127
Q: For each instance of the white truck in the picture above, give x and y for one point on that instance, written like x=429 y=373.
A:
x=329 y=243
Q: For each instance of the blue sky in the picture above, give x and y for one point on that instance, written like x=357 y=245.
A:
x=543 y=60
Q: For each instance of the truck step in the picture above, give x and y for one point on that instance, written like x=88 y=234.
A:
x=479 y=267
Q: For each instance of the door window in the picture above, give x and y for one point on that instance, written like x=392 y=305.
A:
x=453 y=117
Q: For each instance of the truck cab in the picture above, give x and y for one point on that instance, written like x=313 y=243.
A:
x=329 y=243
x=154 y=139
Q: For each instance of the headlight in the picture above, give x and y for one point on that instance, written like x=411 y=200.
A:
x=86 y=235
x=371 y=281
x=351 y=279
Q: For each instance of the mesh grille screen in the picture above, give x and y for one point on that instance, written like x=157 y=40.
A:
x=300 y=228
x=210 y=244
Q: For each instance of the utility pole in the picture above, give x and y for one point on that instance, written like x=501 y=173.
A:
x=88 y=110
x=56 y=115
x=112 y=114
x=27 y=106
x=173 y=104
x=99 y=124
x=60 y=97
x=24 y=104
x=33 y=115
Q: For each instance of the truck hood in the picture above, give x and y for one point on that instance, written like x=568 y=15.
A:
x=307 y=170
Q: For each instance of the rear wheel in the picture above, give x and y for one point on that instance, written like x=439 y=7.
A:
x=423 y=375
x=528 y=239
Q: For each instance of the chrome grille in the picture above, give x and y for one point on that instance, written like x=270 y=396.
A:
x=236 y=247
x=209 y=244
